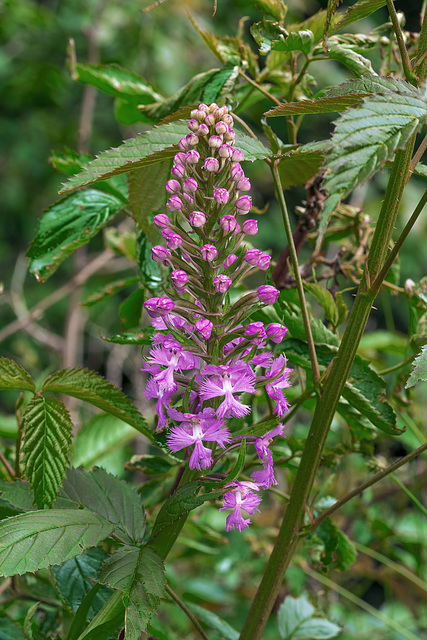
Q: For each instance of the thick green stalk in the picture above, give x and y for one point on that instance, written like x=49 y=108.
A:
x=290 y=531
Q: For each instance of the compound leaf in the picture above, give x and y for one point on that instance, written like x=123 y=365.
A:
x=37 y=539
x=140 y=575
x=92 y=388
x=47 y=441
x=69 y=224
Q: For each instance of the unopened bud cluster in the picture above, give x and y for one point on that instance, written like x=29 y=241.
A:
x=204 y=341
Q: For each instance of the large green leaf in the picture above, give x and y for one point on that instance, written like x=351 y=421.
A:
x=69 y=224
x=110 y=497
x=359 y=10
x=91 y=387
x=297 y=621
x=116 y=81
x=299 y=165
x=295 y=324
x=339 y=552
x=10 y=630
x=100 y=439
x=364 y=138
x=140 y=575
x=37 y=539
x=75 y=578
x=358 y=64
x=419 y=372
x=13 y=376
x=47 y=441
x=144 y=201
x=15 y=497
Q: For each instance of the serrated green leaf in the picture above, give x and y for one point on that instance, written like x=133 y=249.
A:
x=298 y=166
x=148 y=148
x=318 y=629
x=358 y=64
x=9 y=630
x=68 y=161
x=326 y=299
x=267 y=34
x=37 y=539
x=295 y=324
x=75 y=578
x=361 y=396
x=419 y=372
x=296 y=41
x=214 y=622
x=46 y=447
x=113 y=499
x=339 y=552
x=296 y=621
x=360 y=426
x=130 y=310
x=110 y=289
x=144 y=201
x=92 y=388
x=140 y=575
x=252 y=149
x=15 y=497
x=325 y=104
x=99 y=439
x=116 y=81
x=13 y=376
x=359 y=10
x=274 y=8
x=69 y=224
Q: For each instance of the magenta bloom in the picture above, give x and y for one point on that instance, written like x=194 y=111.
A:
x=267 y=294
x=170 y=355
x=174 y=203
x=153 y=390
x=221 y=196
x=275 y=389
x=194 y=429
x=227 y=380
x=228 y=223
x=276 y=332
x=222 y=283
x=250 y=227
x=173 y=186
x=204 y=327
x=265 y=478
x=208 y=252
x=197 y=218
x=240 y=498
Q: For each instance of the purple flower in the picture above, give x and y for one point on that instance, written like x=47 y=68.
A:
x=153 y=390
x=208 y=252
x=194 y=429
x=170 y=355
x=174 y=203
x=221 y=196
x=263 y=261
x=265 y=478
x=240 y=498
x=197 y=219
x=276 y=332
x=190 y=185
x=193 y=125
x=256 y=332
x=267 y=294
x=225 y=151
x=222 y=283
x=228 y=223
x=174 y=241
x=237 y=156
x=236 y=172
x=221 y=128
x=161 y=221
x=203 y=130
x=231 y=259
x=211 y=165
x=192 y=157
x=179 y=278
x=165 y=305
x=243 y=185
x=204 y=327
x=159 y=253
x=215 y=142
x=243 y=204
x=275 y=388
x=227 y=380
x=250 y=227
x=151 y=306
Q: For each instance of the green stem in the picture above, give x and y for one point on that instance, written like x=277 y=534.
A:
x=295 y=265
x=410 y=76
x=395 y=367
x=289 y=534
x=392 y=565
x=187 y=611
x=396 y=626
x=260 y=88
x=409 y=493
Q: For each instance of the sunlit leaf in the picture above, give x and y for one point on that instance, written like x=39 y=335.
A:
x=37 y=539
x=297 y=622
x=419 y=372
x=359 y=10
x=13 y=376
x=100 y=439
x=47 y=441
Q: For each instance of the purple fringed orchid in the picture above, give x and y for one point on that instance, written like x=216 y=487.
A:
x=240 y=498
x=265 y=478
x=171 y=355
x=194 y=429
x=275 y=388
x=227 y=380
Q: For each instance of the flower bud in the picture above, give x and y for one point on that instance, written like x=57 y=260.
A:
x=267 y=294
x=165 y=305
x=211 y=165
x=221 y=128
x=204 y=327
x=236 y=171
x=212 y=107
x=178 y=171
x=221 y=196
x=166 y=232
x=203 y=130
x=161 y=221
x=409 y=285
x=237 y=156
x=192 y=139
x=209 y=252
x=230 y=135
x=210 y=119
x=183 y=144
x=197 y=219
x=179 y=158
x=276 y=332
x=179 y=278
x=256 y=330
x=215 y=142
x=201 y=115
x=250 y=227
x=228 y=223
x=174 y=241
x=174 y=203
x=192 y=157
x=252 y=257
x=228 y=119
x=190 y=185
x=243 y=205
x=243 y=185
x=222 y=283
x=173 y=186
x=193 y=113
x=263 y=261
x=204 y=107
x=225 y=151
x=231 y=259
x=151 y=307
x=159 y=253
x=219 y=112
x=193 y=125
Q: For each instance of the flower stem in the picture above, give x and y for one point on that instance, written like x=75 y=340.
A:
x=187 y=612
x=294 y=259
